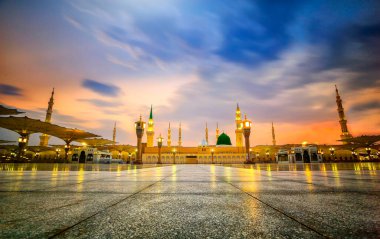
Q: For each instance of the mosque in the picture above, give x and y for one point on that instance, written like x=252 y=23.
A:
x=98 y=150
x=221 y=152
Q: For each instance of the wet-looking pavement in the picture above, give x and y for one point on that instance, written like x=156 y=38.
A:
x=190 y=201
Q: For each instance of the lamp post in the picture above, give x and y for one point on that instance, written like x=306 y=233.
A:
x=67 y=148
x=140 y=126
x=129 y=157
x=267 y=154
x=332 y=152
x=368 y=150
x=57 y=152
x=212 y=156
x=159 y=144
x=37 y=155
x=22 y=141
x=174 y=151
x=247 y=131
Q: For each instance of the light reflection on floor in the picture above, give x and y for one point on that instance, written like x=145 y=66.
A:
x=261 y=200
x=357 y=167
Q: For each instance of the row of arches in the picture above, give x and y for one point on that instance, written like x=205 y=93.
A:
x=203 y=159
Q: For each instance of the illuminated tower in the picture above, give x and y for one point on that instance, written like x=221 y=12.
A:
x=342 y=118
x=273 y=136
x=206 y=131
x=169 y=136
x=150 y=130
x=114 y=134
x=217 y=133
x=239 y=128
x=179 y=135
x=44 y=138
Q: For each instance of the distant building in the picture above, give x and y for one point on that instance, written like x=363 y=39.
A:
x=300 y=154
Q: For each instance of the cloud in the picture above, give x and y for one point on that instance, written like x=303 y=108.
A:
x=371 y=105
x=101 y=103
x=10 y=90
x=101 y=88
x=119 y=62
x=73 y=22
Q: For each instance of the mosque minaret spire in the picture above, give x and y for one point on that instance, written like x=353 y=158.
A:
x=239 y=127
x=180 y=135
x=114 y=134
x=273 y=136
x=44 y=138
x=206 y=134
x=342 y=118
x=169 y=136
x=150 y=130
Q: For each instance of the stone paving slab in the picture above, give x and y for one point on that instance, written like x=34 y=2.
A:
x=190 y=201
x=189 y=216
x=41 y=215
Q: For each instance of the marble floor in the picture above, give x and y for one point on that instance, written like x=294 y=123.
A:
x=190 y=201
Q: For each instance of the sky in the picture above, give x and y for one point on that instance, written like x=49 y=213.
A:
x=109 y=61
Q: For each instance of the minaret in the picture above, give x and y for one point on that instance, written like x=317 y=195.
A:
x=217 y=133
x=150 y=130
x=273 y=136
x=44 y=138
x=239 y=127
x=169 y=136
x=179 y=135
x=342 y=118
x=206 y=131
x=114 y=134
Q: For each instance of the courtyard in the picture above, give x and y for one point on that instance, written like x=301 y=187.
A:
x=190 y=201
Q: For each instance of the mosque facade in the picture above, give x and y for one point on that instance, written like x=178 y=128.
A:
x=222 y=152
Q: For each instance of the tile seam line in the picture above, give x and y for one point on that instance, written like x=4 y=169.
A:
x=283 y=213
x=77 y=183
x=278 y=210
x=108 y=207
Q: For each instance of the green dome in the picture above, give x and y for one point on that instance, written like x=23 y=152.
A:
x=223 y=139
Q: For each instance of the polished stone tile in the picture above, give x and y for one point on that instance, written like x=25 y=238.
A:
x=189 y=216
x=42 y=214
x=191 y=201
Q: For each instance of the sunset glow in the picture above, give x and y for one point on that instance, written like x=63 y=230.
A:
x=194 y=61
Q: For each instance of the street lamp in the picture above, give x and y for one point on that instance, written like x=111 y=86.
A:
x=140 y=126
x=159 y=144
x=22 y=141
x=368 y=150
x=57 y=152
x=174 y=151
x=67 y=148
x=247 y=131
x=332 y=151
x=212 y=156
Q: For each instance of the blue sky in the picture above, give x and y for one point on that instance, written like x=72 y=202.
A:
x=194 y=60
